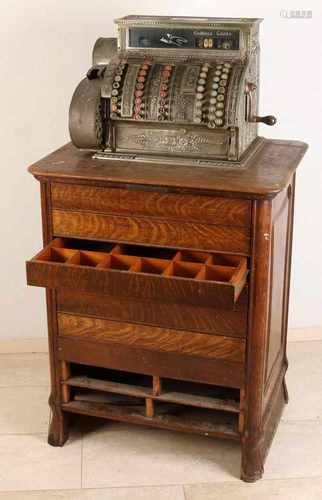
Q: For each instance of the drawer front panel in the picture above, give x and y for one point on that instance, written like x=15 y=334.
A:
x=113 y=282
x=163 y=364
x=172 y=315
x=151 y=338
x=116 y=201
x=151 y=231
x=117 y=283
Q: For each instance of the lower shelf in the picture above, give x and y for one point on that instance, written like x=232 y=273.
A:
x=173 y=404
x=170 y=394
x=185 y=419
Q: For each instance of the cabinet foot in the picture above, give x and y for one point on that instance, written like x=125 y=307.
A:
x=286 y=396
x=58 y=431
x=252 y=467
x=251 y=477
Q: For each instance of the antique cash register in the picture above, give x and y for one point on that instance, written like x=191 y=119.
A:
x=167 y=228
x=172 y=87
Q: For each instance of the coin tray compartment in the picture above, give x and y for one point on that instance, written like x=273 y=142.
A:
x=148 y=260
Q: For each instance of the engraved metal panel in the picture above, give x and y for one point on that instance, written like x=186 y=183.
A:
x=174 y=141
x=190 y=78
x=128 y=91
x=153 y=92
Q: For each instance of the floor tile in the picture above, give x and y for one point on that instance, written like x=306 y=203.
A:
x=287 y=489
x=304 y=381
x=144 y=493
x=24 y=369
x=24 y=410
x=124 y=455
x=27 y=462
x=296 y=451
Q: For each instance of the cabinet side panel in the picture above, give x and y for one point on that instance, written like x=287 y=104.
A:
x=252 y=449
x=58 y=423
x=280 y=278
x=278 y=270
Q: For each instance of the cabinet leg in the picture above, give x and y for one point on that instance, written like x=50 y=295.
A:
x=59 y=425
x=252 y=467
x=286 y=396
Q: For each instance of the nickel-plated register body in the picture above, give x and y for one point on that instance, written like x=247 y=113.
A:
x=172 y=87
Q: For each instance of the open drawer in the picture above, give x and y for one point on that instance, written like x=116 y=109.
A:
x=202 y=278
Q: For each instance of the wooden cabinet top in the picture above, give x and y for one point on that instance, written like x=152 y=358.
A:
x=267 y=172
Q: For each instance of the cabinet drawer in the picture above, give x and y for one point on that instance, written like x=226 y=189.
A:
x=152 y=231
x=152 y=338
x=214 y=210
x=166 y=314
x=164 y=364
x=150 y=350
x=202 y=278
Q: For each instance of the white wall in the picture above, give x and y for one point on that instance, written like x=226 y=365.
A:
x=46 y=48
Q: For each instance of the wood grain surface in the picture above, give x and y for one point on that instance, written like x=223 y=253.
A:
x=180 y=316
x=154 y=204
x=149 y=362
x=130 y=284
x=267 y=173
x=151 y=231
x=149 y=337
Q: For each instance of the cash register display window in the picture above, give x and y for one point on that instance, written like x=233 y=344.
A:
x=160 y=38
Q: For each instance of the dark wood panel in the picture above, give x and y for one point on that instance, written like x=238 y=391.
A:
x=132 y=359
x=267 y=173
x=151 y=231
x=165 y=314
x=252 y=453
x=170 y=206
x=151 y=338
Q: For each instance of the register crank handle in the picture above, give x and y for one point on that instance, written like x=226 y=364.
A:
x=268 y=120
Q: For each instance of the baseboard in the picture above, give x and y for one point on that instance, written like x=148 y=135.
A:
x=305 y=334
x=16 y=346
x=13 y=346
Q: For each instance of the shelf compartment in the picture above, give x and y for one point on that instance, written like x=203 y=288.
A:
x=150 y=266
x=118 y=262
x=192 y=256
x=183 y=270
x=64 y=264
x=53 y=254
x=87 y=258
x=95 y=384
x=168 y=396
x=144 y=251
x=216 y=273
x=188 y=419
x=152 y=400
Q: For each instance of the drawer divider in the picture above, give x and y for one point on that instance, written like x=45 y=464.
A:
x=182 y=398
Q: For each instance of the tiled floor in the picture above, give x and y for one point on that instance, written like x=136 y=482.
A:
x=113 y=461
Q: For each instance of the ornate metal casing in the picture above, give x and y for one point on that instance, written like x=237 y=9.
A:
x=171 y=87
